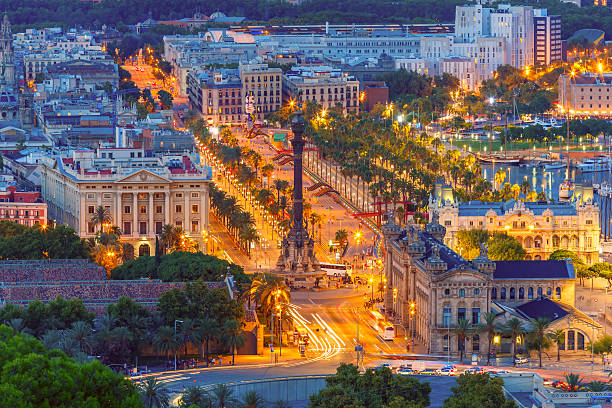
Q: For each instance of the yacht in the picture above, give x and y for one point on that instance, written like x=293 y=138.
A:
x=566 y=189
x=602 y=163
x=554 y=166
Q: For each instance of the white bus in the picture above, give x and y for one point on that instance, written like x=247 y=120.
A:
x=382 y=326
x=336 y=270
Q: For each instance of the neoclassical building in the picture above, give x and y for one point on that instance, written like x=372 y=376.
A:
x=430 y=288
x=541 y=227
x=141 y=196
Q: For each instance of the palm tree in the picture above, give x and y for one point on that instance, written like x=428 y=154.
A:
x=18 y=325
x=266 y=171
x=489 y=327
x=252 y=400
x=267 y=290
x=342 y=238
x=558 y=336
x=233 y=336
x=194 y=395
x=525 y=188
x=598 y=386
x=514 y=327
x=538 y=327
x=500 y=177
x=573 y=382
x=81 y=333
x=462 y=330
x=190 y=333
x=154 y=394
x=281 y=404
x=209 y=329
x=100 y=216
x=165 y=341
x=223 y=396
x=170 y=237
x=280 y=185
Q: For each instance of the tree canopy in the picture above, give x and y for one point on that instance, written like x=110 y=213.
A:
x=373 y=389
x=478 y=391
x=33 y=377
x=61 y=242
x=503 y=247
x=179 y=266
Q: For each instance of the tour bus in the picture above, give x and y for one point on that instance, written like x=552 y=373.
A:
x=336 y=270
x=382 y=326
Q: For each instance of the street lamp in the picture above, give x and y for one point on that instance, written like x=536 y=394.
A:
x=372 y=286
x=175 y=321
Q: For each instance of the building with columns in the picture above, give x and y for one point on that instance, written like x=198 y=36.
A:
x=431 y=288
x=141 y=194
x=541 y=227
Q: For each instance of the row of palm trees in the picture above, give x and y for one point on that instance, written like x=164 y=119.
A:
x=155 y=394
x=535 y=336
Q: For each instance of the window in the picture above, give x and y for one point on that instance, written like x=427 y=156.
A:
x=475 y=315
x=194 y=208
x=548 y=292
x=179 y=209
x=158 y=209
x=502 y=294
x=446 y=316
x=558 y=292
x=143 y=228
x=195 y=195
x=521 y=293
x=91 y=196
x=446 y=343
x=107 y=195
x=158 y=227
x=91 y=227
x=461 y=313
x=476 y=343
x=143 y=209
x=512 y=293
x=539 y=292
x=194 y=226
x=461 y=292
x=127 y=209
x=90 y=209
x=570 y=340
x=446 y=292
x=530 y=293
x=127 y=228
x=476 y=292
x=447 y=223
x=494 y=293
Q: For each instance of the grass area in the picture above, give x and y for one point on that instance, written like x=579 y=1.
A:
x=497 y=146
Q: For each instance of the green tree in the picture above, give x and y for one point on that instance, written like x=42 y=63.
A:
x=489 y=327
x=233 y=336
x=165 y=99
x=468 y=242
x=154 y=394
x=602 y=346
x=478 y=391
x=374 y=388
x=30 y=377
x=558 y=337
x=40 y=78
x=462 y=330
x=253 y=400
x=195 y=396
x=223 y=396
x=503 y=247
x=539 y=328
x=514 y=328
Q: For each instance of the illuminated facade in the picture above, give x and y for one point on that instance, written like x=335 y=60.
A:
x=586 y=94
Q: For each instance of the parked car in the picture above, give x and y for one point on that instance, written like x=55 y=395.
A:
x=428 y=371
x=405 y=371
x=446 y=371
x=521 y=360
x=474 y=370
x=498 y=372
x=547 y=381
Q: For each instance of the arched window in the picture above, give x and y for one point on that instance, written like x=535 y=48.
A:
x=579 y=341
x=502 y=294
x=494 y=293
x=521 y=293
x=558 y=292
x=512 y=293
x=549 y=291
x=144 y=250
x=530 y=293
x=571 y=341
x=539 y=292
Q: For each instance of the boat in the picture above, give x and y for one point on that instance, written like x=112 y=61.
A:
x=498 y=160
x=554 y=166
x=566 y=189
x=546 y=125
x=598 y=164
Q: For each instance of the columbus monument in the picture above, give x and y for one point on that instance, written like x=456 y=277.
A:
x=297 y=261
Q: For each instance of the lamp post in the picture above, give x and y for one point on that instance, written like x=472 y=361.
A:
x=272 y=338
x=372 y=286
x=175 y=321
x=280 y=329
x=358 y=349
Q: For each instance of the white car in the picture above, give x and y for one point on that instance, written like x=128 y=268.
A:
x=446 y=371
x=521 y=360
x=405 y=371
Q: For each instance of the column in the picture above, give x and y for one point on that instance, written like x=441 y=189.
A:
x=167 y=207
x=82 y=214
x=117 y=212
x=135 y=226
x=204 y=207
x=150 y=211
x=187 y=210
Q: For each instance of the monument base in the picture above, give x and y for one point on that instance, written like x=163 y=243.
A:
x=304 y=280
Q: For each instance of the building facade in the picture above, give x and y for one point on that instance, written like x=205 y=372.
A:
x=547 y=38
x=262 y=90
x=586 y=94
x=140 y=195
x=217 y=96
x=431 y=289
x=540 y=227
x=326 y=86
x=22 y=207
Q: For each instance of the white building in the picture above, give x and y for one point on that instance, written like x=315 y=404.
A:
x=547 y=38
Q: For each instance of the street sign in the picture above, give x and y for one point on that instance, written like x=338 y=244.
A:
x=595 y=300
x=359 y=348
x=279 y=137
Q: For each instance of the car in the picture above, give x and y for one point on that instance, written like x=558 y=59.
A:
x=547 y=381
x=427 y=371
x=474 y=370
x=521 y=360
x=498 y=372
x=406 y=371
x=446 y=371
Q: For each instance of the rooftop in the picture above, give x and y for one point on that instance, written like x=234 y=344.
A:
x=534 y=270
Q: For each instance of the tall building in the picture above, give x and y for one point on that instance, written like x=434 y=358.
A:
x=547 y=38
x=217 y=96
x=141 y=194
x=515 y=24
x=7 y=54
x=262 y=90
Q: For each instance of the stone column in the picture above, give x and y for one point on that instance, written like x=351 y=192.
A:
x=150 y=210
x=82 y=215
x=167 y=207
x=187 y=211
x=135 y=227
x=117 y=212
